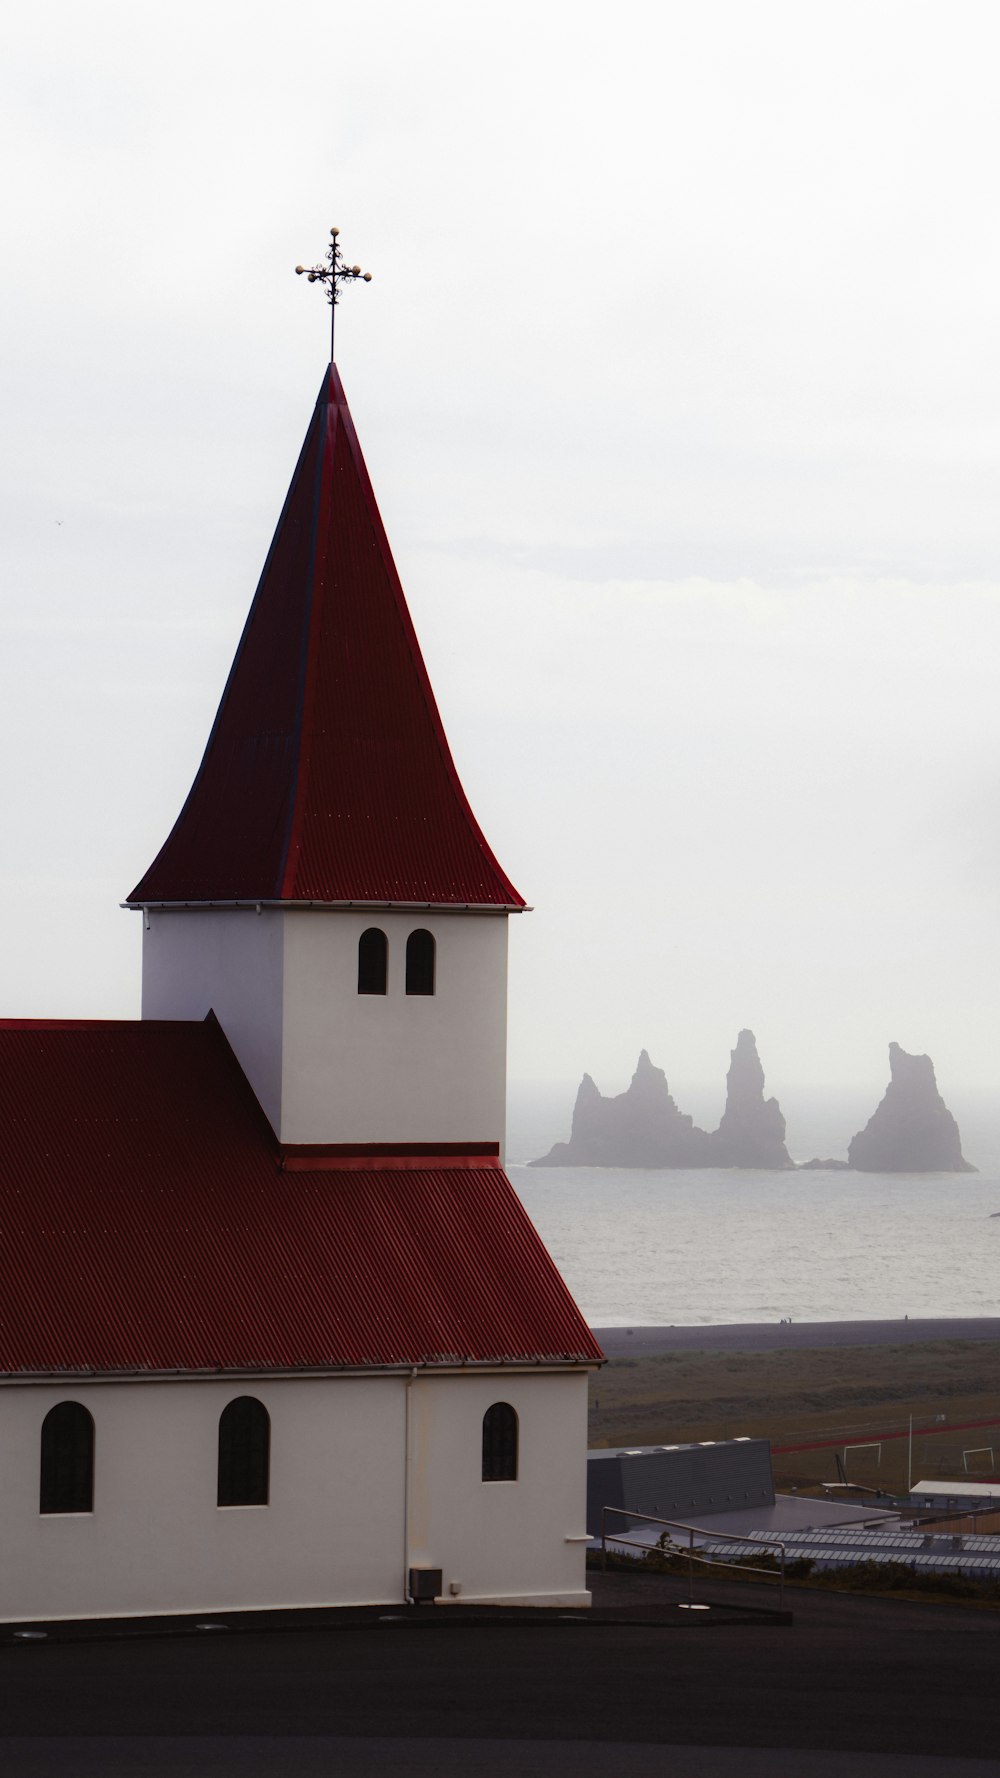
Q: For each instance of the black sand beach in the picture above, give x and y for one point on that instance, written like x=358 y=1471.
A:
x=763 y=1336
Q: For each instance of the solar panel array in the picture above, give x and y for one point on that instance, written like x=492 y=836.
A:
x=897 y=1539
x=978 y=1557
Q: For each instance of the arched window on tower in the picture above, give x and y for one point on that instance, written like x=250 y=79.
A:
x=67 y=1480
x=244 y=1453
x=420 y=962
x=500 y=1443
x=373 y=961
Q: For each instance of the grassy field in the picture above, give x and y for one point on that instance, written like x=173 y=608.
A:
x=849 y=1393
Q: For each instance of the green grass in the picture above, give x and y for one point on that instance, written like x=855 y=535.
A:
x=847 y=1393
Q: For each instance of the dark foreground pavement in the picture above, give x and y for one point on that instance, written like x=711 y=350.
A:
x=853 y=1687
x=345 y=1756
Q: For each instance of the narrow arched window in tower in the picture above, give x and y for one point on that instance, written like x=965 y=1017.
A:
x=373 y=961
x=500 y=1443
x=420 y=962
x=67 y=1481
x=244 y=1453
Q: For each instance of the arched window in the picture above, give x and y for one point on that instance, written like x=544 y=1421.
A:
x=67 y=1483
x=420 y=962
x=373 y=961
x=500 y=1443
x=244 y=1453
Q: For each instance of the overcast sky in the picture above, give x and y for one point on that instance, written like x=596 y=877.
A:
x=679 y=385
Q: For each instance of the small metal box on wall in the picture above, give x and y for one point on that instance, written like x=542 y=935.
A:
x=426 y=1584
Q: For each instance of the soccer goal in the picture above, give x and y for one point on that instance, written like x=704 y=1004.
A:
x=877 y=1448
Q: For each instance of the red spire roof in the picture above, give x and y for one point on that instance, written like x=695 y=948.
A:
x=327 y=776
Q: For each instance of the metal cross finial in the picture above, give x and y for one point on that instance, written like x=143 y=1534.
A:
x=332 y=275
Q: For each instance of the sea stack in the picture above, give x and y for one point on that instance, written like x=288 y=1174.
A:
x=639 y=1128
x=644 y=1128
x=912 y=1130
x=752 y=1130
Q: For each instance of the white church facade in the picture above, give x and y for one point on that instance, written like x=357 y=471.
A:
x=275 y=1330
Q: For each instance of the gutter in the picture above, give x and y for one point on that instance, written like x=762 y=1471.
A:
x=407 y=1460
x=258 y=904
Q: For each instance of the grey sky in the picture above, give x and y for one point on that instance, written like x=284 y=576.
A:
x=679 y=386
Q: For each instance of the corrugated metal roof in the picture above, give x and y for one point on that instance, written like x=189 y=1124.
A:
x=327 y=775
x=146 y=1224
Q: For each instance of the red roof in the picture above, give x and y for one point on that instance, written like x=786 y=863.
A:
x=147 y=1224
x=327 y=776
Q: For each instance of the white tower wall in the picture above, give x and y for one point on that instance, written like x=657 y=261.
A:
x=330 y=1065
x=232 y=963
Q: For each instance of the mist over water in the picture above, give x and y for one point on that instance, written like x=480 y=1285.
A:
x=731 y=1245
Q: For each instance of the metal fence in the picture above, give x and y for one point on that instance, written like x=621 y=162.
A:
x=693 y=1555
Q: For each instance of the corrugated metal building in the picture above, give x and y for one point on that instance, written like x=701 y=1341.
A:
x=684 y=1482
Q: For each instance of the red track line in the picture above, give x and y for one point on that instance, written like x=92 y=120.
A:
x=823 y=1444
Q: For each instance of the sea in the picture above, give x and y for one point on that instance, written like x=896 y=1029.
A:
x=642 y=1247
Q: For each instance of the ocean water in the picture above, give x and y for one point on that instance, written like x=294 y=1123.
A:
x=640 y=1247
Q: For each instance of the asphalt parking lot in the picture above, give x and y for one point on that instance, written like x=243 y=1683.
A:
x=851 y=1687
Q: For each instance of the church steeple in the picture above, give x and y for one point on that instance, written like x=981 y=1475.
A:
x=327 y=778
x=326 y=890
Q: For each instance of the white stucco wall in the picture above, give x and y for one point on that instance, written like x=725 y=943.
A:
x=333 y=1531
x=501 y=1541
x=157 y=1542
x=394 y=1067
x=330 y=1065
x=231 y=963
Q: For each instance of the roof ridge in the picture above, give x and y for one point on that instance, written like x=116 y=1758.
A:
x=307 y=684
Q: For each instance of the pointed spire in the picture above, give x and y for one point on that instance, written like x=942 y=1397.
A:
x=327 y=776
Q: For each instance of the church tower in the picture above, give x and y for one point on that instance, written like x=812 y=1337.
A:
x=326 y=890
x=260 y=1249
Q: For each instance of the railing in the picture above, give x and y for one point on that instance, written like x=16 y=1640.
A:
x=692 y=1556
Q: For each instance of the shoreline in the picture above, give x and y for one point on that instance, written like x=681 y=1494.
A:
x=763 y=1336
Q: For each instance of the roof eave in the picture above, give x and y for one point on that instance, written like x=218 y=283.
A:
x=258 y=903
x=452 y=1366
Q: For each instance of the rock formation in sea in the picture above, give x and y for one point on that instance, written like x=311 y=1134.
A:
x=639 y=1128
x=644 y=1128
x=912 y=1130
x=752 y=1130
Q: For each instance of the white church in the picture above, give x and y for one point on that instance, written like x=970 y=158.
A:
x=275 y=1330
